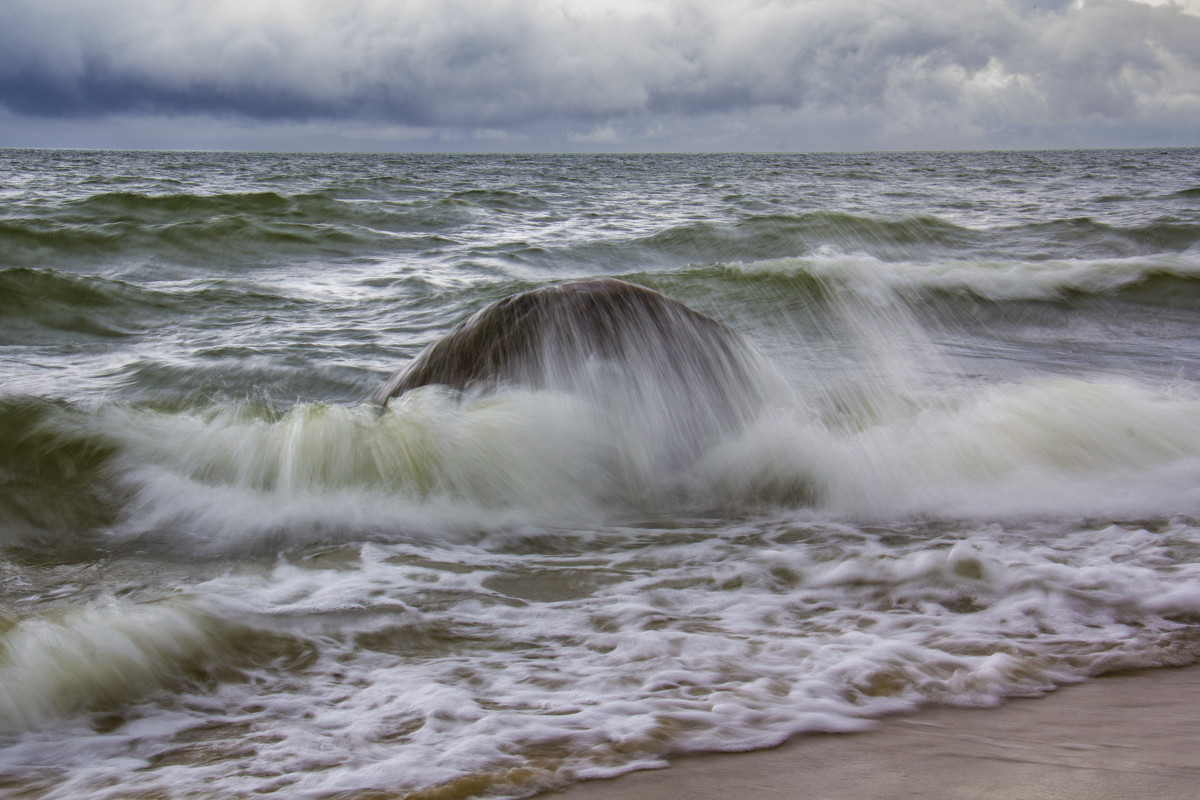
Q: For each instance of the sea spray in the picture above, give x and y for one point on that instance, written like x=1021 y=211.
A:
x=1046 y=448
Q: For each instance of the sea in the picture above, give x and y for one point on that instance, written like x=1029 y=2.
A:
x=225 y=573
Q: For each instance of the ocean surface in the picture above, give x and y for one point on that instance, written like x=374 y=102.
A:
x=225 y=574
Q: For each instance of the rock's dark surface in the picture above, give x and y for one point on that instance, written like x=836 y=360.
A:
x=558 y=337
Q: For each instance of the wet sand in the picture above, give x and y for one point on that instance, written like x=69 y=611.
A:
x=1134 y=735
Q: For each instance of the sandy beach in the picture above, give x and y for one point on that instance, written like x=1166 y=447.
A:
x=1120 y=736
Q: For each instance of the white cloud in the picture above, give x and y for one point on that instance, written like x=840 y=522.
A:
x=600 y=135
x=1190 y=6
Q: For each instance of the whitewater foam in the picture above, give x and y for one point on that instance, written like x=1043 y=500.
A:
x=1042 y=448
x=989 y=279
x=99 y=656
x=240 y=478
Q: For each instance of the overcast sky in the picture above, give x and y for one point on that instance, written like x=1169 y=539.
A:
x=613 y=75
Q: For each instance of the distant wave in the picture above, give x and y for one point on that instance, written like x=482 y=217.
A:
x=42 y=302
x=761 y=237
x=121 y=206
x=263 y=228
x=987 y=279
x=500 y=199
x=33 y=301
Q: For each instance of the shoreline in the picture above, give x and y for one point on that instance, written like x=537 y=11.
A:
x=1132 y=734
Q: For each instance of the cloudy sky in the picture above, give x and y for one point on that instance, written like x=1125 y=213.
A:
x=612 y=75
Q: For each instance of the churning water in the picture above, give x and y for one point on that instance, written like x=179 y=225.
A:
x=223 y=573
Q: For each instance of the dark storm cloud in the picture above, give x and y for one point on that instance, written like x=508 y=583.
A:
x=970 y=70
x=97 y=93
